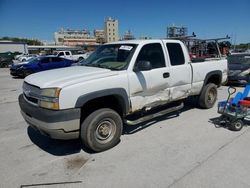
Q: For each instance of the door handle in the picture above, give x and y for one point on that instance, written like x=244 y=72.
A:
x=166 y=74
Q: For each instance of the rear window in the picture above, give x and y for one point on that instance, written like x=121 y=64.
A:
x=239 y=59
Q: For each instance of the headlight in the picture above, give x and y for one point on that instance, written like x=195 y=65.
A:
x=50 y=92
x=244 y=73
x=49 y=98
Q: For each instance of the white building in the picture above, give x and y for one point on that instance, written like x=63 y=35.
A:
x=73 y=37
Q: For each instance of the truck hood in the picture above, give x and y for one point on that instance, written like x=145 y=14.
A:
x=67 y=76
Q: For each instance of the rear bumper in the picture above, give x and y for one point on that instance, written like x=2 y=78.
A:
x=61 y=124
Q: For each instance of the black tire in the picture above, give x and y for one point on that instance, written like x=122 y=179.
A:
x=208 y=96
x=4 y=65
x=101 y=130
x=236 y=125
x=80 y=59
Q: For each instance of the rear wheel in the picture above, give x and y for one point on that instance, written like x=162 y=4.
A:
x=80 y=59
x=101 y=130
x=208 y=96
x=4 y=65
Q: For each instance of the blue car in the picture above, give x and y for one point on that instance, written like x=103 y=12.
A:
x=39 y=64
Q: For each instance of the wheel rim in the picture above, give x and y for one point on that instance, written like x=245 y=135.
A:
x=237 y=125
x=211 y=96
x=105 y=130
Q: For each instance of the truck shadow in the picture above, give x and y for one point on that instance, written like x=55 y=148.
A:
x=55 y=147
x=188 y=105
x=68 y=147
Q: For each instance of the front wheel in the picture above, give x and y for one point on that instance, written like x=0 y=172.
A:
x=208 y=96
x=101 y=130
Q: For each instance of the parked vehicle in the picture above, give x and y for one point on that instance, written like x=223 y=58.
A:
x=6 y=59
x=122 y=82
x=39 y=64
x=24 y=58
x=239 y=69
x=19 y=55
x=72 y=55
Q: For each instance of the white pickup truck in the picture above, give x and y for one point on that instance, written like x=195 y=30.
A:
x=71 y=55
x=120 y=83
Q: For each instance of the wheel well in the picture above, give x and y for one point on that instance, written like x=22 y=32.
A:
x=112 y=102
x=215 y=78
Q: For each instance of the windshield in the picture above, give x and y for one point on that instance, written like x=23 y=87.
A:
x=111 y=56
x=239 y=59
x=33 y=60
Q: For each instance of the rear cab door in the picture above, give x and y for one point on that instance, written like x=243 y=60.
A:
x=180 y=69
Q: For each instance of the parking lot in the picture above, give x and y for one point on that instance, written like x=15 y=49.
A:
x=174 y=151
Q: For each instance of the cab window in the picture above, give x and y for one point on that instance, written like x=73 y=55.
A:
x=175 y=54
x=152 y=53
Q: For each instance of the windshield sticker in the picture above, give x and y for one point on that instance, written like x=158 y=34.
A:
x=123 y=47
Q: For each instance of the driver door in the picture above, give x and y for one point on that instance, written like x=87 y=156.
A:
x=45 y=63
x=149 y=88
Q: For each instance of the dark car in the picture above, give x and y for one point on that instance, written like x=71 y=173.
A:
x=6 y=58
x=239 y=69
x=39 y=64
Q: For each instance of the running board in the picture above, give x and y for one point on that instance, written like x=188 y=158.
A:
x=154 y=115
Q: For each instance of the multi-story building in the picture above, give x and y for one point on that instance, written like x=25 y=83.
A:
x=71 y=37
x=111 y=30
x=74 y=37
x=99 y=35
x=128 y=36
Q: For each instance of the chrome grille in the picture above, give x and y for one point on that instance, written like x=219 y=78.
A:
x=31 y=93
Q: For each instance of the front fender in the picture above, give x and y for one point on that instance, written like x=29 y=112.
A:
x=120 y=93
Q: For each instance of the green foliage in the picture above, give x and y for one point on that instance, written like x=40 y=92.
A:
x=25 y=40
x=243 y=46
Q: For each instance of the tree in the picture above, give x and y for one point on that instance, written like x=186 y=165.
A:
x=25 y=40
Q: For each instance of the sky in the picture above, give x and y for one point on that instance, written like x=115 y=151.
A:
x=208 y=19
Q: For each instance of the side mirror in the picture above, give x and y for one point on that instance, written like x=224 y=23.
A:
x=143 y=66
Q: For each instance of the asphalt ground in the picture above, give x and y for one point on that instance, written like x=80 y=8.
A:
x=187 y=150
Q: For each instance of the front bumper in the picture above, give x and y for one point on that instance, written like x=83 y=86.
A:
x=61 y=124
x=15 y=72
